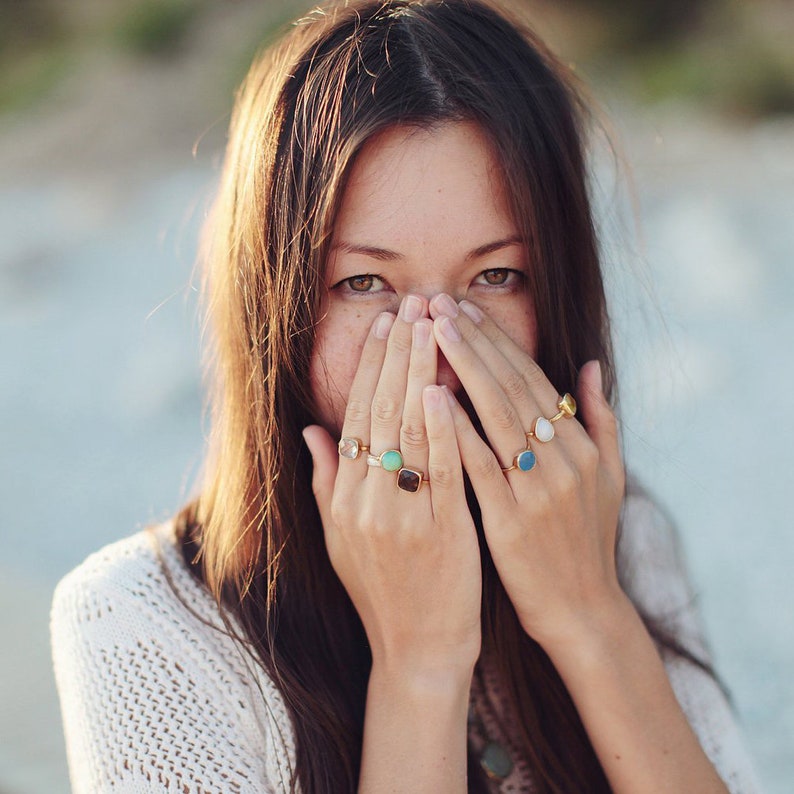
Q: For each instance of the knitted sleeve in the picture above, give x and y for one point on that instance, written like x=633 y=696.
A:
x=655 y=579
x=153 y=699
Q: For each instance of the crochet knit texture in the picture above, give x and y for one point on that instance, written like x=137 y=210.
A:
x=156 y=698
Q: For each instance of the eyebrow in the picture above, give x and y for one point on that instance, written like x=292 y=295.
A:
x=385 y=255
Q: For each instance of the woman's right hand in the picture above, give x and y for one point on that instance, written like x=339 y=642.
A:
x=410 y=562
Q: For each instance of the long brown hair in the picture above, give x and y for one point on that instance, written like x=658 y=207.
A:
x=304 y=111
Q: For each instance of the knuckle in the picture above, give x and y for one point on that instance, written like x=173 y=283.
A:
x=503 y=415
x=514 y=385
x=532 y=374
x=413 y=433
x=441 y=475
x=386 y=409
x=568 y=479
x=486 y=465
x=357 y=411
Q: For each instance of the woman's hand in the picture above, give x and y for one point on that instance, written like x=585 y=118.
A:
x=551 y=530
x=409 y=561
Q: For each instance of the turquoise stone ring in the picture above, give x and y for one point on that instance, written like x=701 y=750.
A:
x=390 y=460
x=524 y=461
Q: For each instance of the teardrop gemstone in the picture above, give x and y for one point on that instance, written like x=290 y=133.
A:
x=543 y=430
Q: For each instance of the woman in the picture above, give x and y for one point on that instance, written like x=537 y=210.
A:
x=401 y=571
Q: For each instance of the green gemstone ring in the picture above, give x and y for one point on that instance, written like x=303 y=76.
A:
x=390 y=460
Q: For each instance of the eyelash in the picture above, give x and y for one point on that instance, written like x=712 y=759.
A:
x=512 y=276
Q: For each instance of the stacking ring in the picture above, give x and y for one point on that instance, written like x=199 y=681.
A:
x=351 y=447
x=566 y=407
x=524 y=461
x=390 y=460
x=410 y=480
x=542 y=428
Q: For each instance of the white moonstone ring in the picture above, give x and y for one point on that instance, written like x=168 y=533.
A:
x=543 y=429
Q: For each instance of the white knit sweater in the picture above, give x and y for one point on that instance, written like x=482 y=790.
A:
x=157 y=699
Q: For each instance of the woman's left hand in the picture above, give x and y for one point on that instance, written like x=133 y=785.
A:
x=552 y=530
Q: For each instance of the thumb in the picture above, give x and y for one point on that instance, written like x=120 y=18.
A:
x=326 y=462
x=597 y=414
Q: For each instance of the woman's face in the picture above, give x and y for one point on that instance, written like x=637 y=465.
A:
x=424 y=212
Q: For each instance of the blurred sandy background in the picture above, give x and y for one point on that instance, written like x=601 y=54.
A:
x=102 y=104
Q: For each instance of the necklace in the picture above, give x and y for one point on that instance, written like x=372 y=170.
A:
x=494 y=758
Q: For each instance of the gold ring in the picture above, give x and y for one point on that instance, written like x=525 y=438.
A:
x=566 y=407
x=351 y=448
x=410 y=480
x=523 y=461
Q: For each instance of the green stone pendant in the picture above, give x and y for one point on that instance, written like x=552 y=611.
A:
x=495 y=761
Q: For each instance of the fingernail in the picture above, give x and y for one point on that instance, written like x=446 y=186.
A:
x=383 y=325
x=411 y=308
x=446 y=305
x=449 y=395
x=449 y=329
x=421 y=335
x=432 y=396
x=471 y=311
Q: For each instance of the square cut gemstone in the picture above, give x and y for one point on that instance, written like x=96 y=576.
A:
x=349 y=448
x=409 y=480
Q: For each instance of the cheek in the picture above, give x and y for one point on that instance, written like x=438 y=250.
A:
x=518 y=322
x=337 y=350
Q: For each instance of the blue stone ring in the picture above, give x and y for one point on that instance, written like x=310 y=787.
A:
x=524 y=461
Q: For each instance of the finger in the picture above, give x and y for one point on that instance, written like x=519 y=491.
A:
x=325 y=460
x=524 y=382
x=422 y=371
x=389 y=398
x=502 y=423
x=478 y=459
x=598 y=417
x=447 y=493
x=471 y=317
x=357 y=412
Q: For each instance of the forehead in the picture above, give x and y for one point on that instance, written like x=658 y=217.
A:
x=416 y=190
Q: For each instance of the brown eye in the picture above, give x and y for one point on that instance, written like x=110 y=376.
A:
x=361 y=283
x=497 y=276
